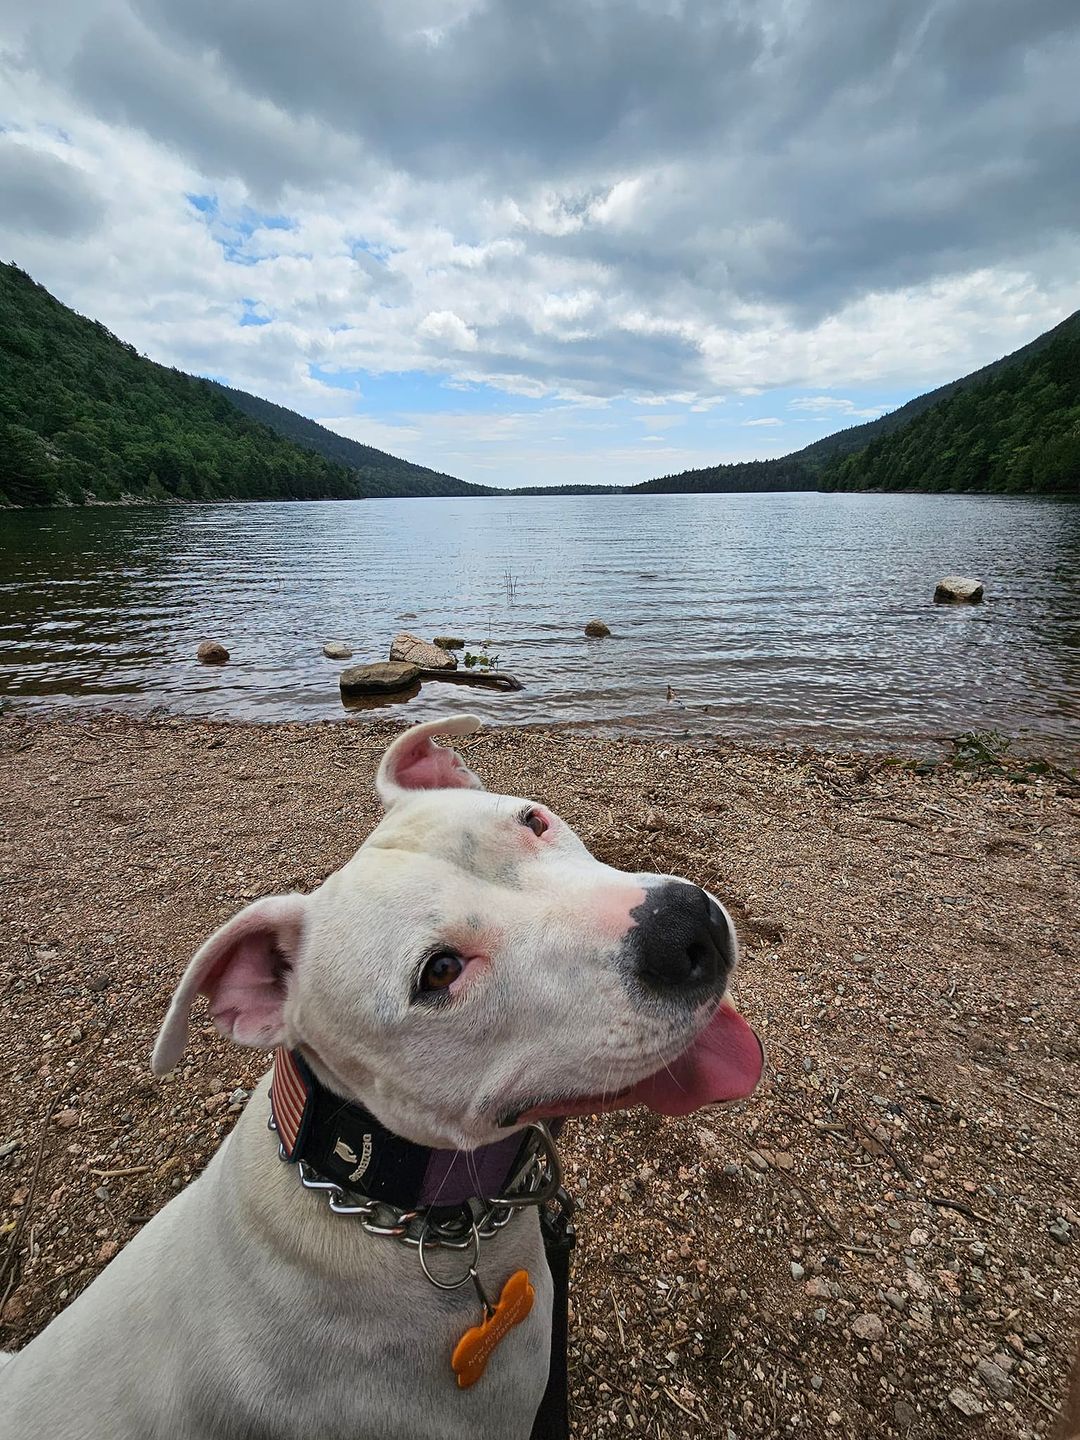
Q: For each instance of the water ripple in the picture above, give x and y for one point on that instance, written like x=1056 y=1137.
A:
x=785 y=617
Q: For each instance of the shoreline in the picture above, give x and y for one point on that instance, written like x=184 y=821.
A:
x=912 y=751
x=138 y=502
x=907 y=958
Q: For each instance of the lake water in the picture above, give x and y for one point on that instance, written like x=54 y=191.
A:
x=795 y=617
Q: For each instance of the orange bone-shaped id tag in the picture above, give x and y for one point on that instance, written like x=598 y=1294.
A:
x=473 y=1350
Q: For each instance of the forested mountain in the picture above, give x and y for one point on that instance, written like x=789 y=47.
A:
x=394 y=476
x=1016 y=432
x=857 y=437
x=84 y=417
x=1013 y=426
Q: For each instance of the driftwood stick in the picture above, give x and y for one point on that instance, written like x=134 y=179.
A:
x=493 y=679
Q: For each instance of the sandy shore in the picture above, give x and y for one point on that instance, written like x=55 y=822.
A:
x=886 y=1240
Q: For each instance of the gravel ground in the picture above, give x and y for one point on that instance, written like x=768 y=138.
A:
x=884 y=1241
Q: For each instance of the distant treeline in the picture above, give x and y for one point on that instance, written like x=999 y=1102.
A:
x=789 y=473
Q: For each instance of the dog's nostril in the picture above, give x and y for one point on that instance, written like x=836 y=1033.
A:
x=700 y=957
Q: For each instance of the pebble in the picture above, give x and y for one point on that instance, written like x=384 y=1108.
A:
x=710 y=1143
x=966 y=1403
x=904 y=1414
x=919 y=1237
x=918 y=1284
x=1061 y=1231
x=101 y=1193
x=107 y=1250
x=797 y=1271
x=868 y=1327
x=896 y=1300
x=816 y=1381
x=67 y=1119
x=8 y=1148
x=994 y=1378
x=238 y=1096
x=215 y=1086
x=821 y=1289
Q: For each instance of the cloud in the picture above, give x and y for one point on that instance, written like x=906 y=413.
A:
x=446 y=328
x=44 y=194
x=765 y=420
x=831 y=405
x=670 y=202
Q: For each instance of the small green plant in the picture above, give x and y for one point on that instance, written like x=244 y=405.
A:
x=481 y=661
x=987 y=752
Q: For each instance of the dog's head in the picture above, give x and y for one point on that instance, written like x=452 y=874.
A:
x=474 y=965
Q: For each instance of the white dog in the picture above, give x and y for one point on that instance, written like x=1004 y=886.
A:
x=471 y=970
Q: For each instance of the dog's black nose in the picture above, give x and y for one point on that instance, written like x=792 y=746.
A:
x=682 y=940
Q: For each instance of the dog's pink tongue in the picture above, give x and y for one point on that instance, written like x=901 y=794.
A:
x=723 y=1063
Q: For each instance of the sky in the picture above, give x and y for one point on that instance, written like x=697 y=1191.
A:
x=552 y=241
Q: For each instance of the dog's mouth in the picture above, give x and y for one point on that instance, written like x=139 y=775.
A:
x=722 y=1062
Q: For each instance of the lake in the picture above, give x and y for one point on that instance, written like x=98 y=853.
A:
x=783 y=618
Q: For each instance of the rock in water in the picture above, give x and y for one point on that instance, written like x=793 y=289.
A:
x=336 y=650
x=448 y=642
x=414 y=651
x=597 y=628
x=382 y=678
x=212 y=652
x=958 y=590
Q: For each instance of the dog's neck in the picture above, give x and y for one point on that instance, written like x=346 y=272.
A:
x=344 y=1143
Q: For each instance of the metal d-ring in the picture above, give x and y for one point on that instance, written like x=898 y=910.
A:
x=470 y=1273
x=554 y=1168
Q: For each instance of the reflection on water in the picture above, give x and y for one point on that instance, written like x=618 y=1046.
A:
x=794 y=617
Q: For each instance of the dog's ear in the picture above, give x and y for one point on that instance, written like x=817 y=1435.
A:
x=243 y=970
x=414 y=763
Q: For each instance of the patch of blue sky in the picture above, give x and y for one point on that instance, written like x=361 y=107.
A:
x=416 y=392
x=233 y=230
x=254 y=313
x=382 y=253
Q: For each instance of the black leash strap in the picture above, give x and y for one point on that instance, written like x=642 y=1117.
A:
x=556 y=1225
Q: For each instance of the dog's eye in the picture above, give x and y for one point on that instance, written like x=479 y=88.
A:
x=535 y=821
x=441 y=971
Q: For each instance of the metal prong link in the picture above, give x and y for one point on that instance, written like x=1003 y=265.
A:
x=538 y=1182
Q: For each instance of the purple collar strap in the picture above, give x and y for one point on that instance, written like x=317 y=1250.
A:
x=345 y=1143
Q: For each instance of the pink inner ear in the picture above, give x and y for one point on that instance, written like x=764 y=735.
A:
x=424 y=766
x=246 y=990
